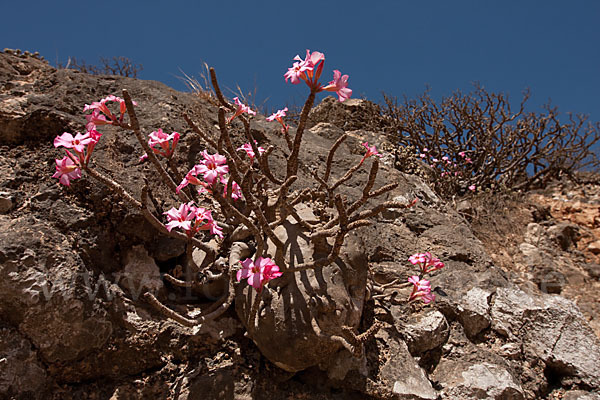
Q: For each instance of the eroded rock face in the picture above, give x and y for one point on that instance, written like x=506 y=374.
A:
x=68 y=327
x=551 y=330
x=140 y=273
x=21 y=373
x=350 y=115
x=474 y=311
x=400 y=376
x=424 y=332
x=50 y=300
x=332 y=296
x=478 y=381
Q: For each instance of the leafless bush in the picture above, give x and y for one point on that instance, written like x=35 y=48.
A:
x=121 y=66
x=487 y=144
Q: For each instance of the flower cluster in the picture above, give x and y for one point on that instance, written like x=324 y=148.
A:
x=192 y=219
x=101 y=114
x=448 y=167
x=422 y=287
x=212 y=169
x=426 y=262
x=309 y=70
x=166 y=142
x=69 y=167
x=258 y=272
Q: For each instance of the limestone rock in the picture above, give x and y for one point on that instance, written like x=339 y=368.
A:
x=477 y=381
x=400 y=375
x=594 y=247
x=474 y=311
x=424 y=332
x=7 y=202
x=140 y=273
x=41 y=286
x=553 y=331
x=580 y=395
x=21 y=373
x=350 y=115
x=327 y=130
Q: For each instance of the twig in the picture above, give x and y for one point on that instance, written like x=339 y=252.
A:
x=292 y=161
x=199 y=132
x=135 y=126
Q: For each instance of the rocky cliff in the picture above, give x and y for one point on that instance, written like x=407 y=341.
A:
x=71 y=326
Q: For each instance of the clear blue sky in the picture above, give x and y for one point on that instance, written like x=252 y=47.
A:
x=395 y=46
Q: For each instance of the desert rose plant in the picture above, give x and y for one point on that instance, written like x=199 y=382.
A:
x=251 y=200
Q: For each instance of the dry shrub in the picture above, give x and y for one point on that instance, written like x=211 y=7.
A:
x=121 y=66
x=507 y=148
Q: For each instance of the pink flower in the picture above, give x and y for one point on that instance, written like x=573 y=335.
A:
x=271 y=270
x=427 y=263
x=445 y=158
x=251 y=272
x=164 y=141
x=421 y=289
x=428 y=297
x=95 y=118
x=190 y=177
x=66 y=170
x=259 y=272
x=371 y=151
x=98 y=107
x=462 y=154
x=418 y=282
x=192 y=219
x=308 y=69
x=417 y=258
x=472 y=188
x=203 y=220
x=422 y=155
x=296 y=72
x=76 y=143
x=213 y=166
x=249 y=151
x=431 y=264
x=212 y=226
x=425 y=150
x=236 y=191
x=279 y=117
x=95 y=137
x=316 y=61
x=313 y=58
x=241 y=108
x=339 y=84
x=180 y=217
x=468 y=160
